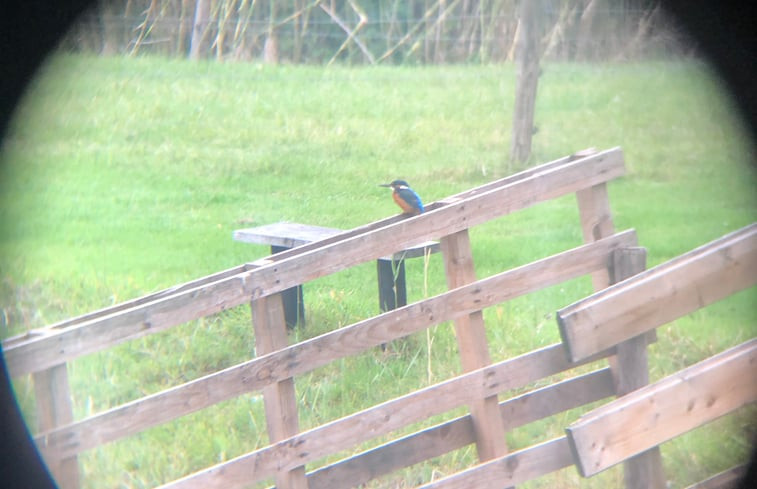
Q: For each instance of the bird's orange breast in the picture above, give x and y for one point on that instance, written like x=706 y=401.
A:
x=403 y=204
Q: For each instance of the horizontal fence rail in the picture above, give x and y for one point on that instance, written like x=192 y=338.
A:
x=514 y=468
x=235 y=271
x=382 y=419
x=452 y=435
x=666 y=409
x=59 y=345
x=659 y=295
x=630 y=428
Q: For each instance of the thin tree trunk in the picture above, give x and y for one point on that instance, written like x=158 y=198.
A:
x=224 y=15
x=527 y=54
x=271 y=46
x=184 y=26
x=199 y=27
x=584 y=29
x=439 y=54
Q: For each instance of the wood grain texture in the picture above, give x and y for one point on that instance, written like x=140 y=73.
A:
x=135 y=416
x=452 y=435
x=516 y=468
x=661 y=294
x=308 y=262
x=122 y=306
x=54 y=409
x=668 y=408
x=473 y=348
x=284 y=234
x=377 y=421
x=596 y=222
x=645 y=470
x=279 y=398
x=292 y=235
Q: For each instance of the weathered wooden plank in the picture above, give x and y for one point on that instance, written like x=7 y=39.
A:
x=596 y=222
x=122 y=306
x=556 y=398
x=172 y=403
x=470 y=332
x=510 y=470
x=377 y=421
x=643 y=471
x=661 y=294
x=279 y=397
x=310 y=262
x=284 y=234
x=728 y=479
x=668 y=408
x=54 y=409
x=457 y=433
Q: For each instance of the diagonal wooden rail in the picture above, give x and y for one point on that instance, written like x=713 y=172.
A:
x=630 y=428
x=457 y=433
x=380 y=420
x=659 y=295
x=255 y=374
x=670 y=407
x=59 y=345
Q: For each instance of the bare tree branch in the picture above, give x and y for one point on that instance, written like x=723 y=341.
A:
x=351 y=34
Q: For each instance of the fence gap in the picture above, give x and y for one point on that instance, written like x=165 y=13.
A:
x=54 y=409
x=280 y=399
x=470 y=331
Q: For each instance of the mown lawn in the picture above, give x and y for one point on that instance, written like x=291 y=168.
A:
x=125 y=176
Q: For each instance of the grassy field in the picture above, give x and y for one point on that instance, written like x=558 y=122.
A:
x=125 y=176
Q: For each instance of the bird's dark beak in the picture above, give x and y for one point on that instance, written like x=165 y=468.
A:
x=385 y=184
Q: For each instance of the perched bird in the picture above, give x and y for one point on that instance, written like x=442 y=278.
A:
x=405 y=197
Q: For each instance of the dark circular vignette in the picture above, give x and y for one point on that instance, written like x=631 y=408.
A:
x=30 y=29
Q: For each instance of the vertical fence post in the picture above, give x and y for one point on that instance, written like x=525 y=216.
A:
x=54 y=409
x=280 y=400
x=643 y=471
x=474 y=349
x=629 y=365
x=596 y=223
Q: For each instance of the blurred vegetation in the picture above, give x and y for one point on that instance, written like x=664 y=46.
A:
x=375 y=32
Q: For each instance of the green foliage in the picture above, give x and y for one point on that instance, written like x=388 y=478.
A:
x=125 y=176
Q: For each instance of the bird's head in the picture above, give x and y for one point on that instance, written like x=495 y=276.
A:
x=396 y=184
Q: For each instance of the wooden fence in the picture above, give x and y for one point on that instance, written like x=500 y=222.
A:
x=608 y=256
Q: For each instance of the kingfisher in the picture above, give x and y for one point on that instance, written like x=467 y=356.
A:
x=405 y=197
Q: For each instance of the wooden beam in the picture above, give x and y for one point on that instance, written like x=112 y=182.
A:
x=302 y=248
x=668 y=408
x=470 y=332
x=309 y=263
x=457 y=433
x=279 y=397
x=661 y=294
x=596 y=222
x=728 y=479
x=377 y=421
x=54 y=409
x=122 y=306
x=643 y=471
x=528 y=51
x=516 y=468
x=135 y=416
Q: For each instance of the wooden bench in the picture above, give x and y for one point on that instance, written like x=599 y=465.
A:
x=286 y=235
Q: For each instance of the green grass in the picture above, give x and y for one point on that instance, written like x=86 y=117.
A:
x=125 y=176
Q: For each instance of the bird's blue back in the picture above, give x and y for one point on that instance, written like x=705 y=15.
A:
x=408 y=195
